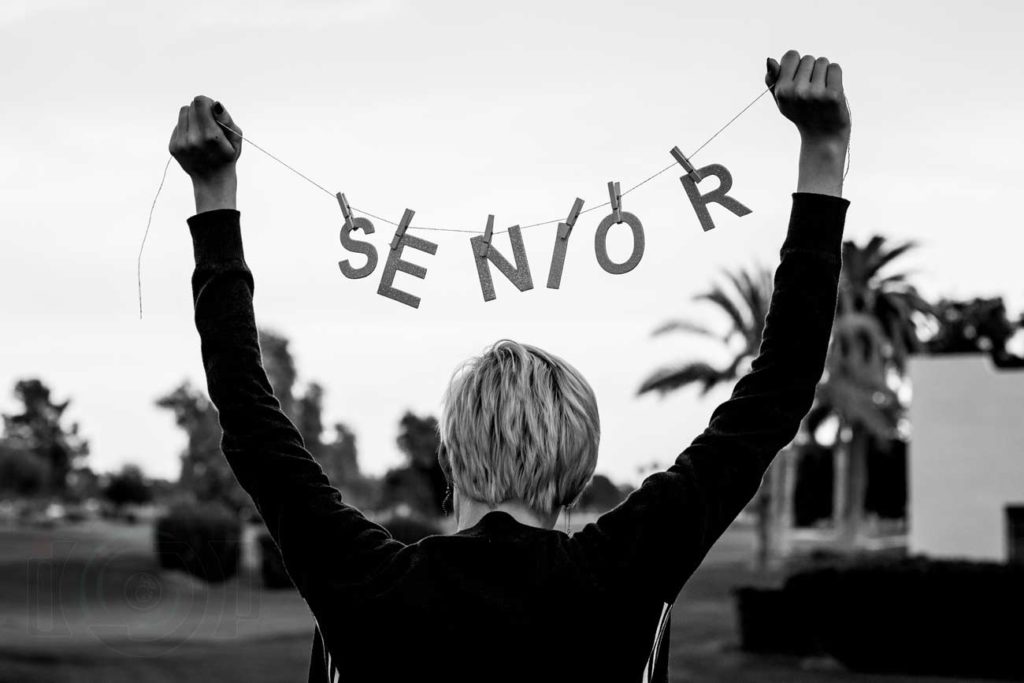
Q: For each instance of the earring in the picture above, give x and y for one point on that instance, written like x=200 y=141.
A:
x=448 y=502
x=565 y=509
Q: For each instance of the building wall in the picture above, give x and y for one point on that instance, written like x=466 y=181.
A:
x=966 y=455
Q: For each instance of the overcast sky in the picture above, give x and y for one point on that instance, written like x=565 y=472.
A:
x=457 y=110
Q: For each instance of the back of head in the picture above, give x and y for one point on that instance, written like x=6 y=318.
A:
x=519 y=424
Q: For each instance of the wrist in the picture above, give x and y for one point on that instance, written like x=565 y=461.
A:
x=825 y=149
x=821 y=165
x=217 y=192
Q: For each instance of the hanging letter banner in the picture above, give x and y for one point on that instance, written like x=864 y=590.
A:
x=719 y=195
x=484 y=253
x=617 y=217
x=395 y=263
x=487 y=256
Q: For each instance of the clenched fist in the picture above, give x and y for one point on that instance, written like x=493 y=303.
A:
x=809 y=92
x=207 y=152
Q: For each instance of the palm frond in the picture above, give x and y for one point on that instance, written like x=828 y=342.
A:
x=666 y=380
x=885 y=257
x=680 y=325
x=718 y=297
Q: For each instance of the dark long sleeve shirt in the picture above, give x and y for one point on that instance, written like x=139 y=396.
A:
x=503 y=601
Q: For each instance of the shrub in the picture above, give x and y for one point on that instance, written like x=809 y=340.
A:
x=202 y=539
x=915 y=615
x=22 y=472
x=768 y=624
x=127 y=487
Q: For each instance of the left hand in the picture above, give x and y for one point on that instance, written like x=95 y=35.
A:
x=207 y=152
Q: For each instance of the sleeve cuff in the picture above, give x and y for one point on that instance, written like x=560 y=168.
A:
x=817 y=222
x=216 y=236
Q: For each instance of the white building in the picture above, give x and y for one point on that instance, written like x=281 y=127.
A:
x=966 y=458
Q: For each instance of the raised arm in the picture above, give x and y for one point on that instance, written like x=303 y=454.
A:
x=321 y=538
x=663 y=530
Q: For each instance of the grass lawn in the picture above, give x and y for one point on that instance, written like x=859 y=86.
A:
x=87 y=603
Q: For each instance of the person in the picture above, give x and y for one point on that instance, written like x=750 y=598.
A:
x=507 y=597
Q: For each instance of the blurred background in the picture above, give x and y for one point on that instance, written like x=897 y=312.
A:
x=887 y=540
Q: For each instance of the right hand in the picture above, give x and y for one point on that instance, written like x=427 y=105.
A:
x=809 y=92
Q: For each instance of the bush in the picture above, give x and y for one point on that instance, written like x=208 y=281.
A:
x=22 y=472
x=127 y=487
x=271 y=563
x=915 y=615
x=769 y=625
x=202 y=539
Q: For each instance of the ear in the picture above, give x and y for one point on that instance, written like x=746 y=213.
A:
x=445 y=462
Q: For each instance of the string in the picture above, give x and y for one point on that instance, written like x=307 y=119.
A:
x=149 y=221
x=522 y=227
x=849 y=143
x=424 y=227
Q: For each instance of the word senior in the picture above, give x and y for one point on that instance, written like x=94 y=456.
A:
x=486 y=255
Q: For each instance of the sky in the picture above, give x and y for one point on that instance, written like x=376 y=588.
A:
x=459 y=110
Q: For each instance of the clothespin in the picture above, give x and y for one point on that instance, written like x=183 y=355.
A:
x=346 y=211
x=678 y=155
x=615 y=193
x=565 y=228
x=403 y=225
x=485 y=245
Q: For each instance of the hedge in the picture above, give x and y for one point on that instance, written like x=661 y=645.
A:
x=202 y=539
x=915 y=615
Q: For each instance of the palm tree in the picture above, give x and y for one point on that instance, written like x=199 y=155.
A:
x=868 y=287
x=876 y=328
x=744 y=301
x=856 y=395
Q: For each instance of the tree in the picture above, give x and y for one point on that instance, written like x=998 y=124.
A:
x=128 y=487
x=879 y=316
x=855 y=393
x=974 y=326
x=744 y=302
x=280 y=368
x=420 y=483
x=22 y=473
x=204 y=471
x=39 y=430
x=600 y=495
x=340 y=456
x=868 y=286
x=309 y=419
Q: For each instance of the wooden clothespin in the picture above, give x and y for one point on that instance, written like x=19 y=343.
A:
x=346 y=211
x=403 y=225
x=615 y=193
x=678 y=155
x=565 y=228
x=485 y=244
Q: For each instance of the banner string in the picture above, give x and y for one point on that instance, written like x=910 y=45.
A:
x=523 y=227
x=423 y=227
x=149 y=221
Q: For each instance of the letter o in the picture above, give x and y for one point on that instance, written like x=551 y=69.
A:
x=601 y=244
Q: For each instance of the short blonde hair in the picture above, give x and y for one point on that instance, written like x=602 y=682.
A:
x=519 y=424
